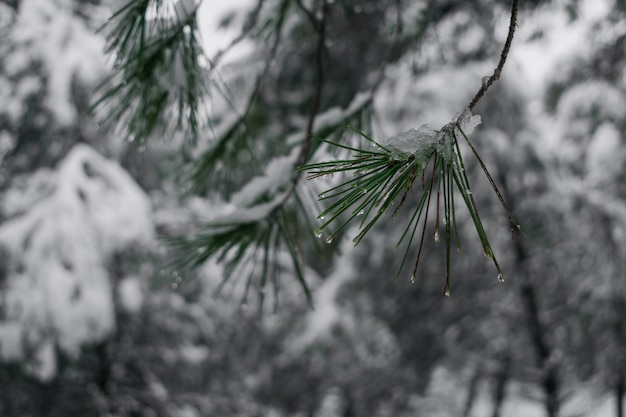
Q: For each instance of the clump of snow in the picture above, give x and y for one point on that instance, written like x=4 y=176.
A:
x=130 y=294
x=605 y=155
x=193 y=354
x=422 y=142
x=58 y=289
x=467 y=121
x=44 y=365
x=412 y=141
x=7 y=142
x=217 y=38
x=10 y=341
x=337 y=115
x=6 y=17
x=262 y=194
x=592 y=97
x=279 y=172
x=48 y=33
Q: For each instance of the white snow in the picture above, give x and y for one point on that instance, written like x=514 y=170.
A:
x=328 y=312
x=538 y=62
x=10 y=341
x=412 y=141
x=336 y=115
x=60 y=234
x=130 y=294
x=44 y=365
x=279 y=172
x=467 y=121
x=47 y=32
x=7 y=142
x=586 y=97
x=605 y=155
x=422 y=141
x=216 y=39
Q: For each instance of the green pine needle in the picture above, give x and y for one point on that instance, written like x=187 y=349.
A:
x=238 y=244
x=381 y=181
x=157 y=82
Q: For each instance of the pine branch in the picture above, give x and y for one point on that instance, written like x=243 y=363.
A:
x=383 y=177
x=226 y=149
x=317 y=98
x=503 y=56
x=157 y=81
x=241 y=244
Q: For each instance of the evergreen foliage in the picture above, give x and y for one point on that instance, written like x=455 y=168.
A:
x=157 y=83
x=150 y=49
x=549 y=342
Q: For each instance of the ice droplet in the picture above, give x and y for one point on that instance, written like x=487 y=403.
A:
x=487 y=254
x=356 y=241
x=469 y=192
x=322 y=195
x=329 y=239
x=174 y=286
x=318 y=234
x=500 y=277
x=361 y=212
x=446 y=292
x=436 y=236
x=321 y=217
x=374 y=145
x=412 y=280
x=364 y=190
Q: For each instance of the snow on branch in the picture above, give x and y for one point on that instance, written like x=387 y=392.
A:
x=62 y=229
x=383 y=177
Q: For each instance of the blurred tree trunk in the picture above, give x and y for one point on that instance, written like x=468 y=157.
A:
x=549 y=379
x=537 y=329
x=501 y=379
x=619 y=395
x=472 y=390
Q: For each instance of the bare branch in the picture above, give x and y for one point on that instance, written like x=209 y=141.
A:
x=505 y=52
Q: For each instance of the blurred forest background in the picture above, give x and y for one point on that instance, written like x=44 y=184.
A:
x=95 y=321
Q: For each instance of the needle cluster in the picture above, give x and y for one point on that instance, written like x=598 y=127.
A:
x=385 y=175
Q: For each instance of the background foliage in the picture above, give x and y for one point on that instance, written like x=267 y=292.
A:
x=94 y=320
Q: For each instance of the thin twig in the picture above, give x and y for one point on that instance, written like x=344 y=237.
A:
x=247 y=28
x=317 y=98
x=258 y=82
x=505 y=52
x=315 y=107
x=314 y=22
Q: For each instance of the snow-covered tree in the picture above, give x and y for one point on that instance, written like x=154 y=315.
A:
x=197 y=138
x=283 y=119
